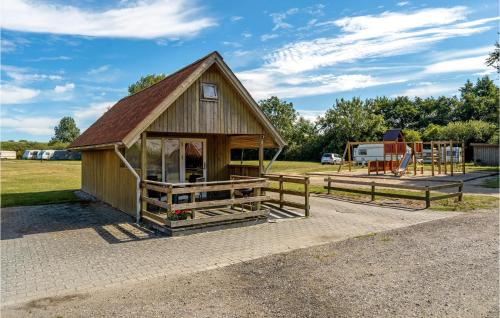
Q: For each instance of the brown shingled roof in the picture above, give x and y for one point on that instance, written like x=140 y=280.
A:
x=130 y=111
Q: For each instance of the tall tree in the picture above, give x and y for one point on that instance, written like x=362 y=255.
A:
x=281 y=114
x=145 y=82
x=66 y=131
x=493 y=59
x=350 y=120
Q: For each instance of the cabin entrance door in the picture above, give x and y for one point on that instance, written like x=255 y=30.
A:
x=193 y=160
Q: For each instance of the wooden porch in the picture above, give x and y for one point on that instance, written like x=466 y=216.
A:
x=185 y=208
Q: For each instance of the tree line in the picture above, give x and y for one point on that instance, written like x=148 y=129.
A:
x=470 y=117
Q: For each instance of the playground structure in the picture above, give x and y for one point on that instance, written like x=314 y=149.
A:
x=399 y=155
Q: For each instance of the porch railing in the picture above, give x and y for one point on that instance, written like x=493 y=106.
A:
x=167 y=206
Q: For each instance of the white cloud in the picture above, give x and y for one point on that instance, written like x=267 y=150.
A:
x=236 y=18
x=32 y=125
x=98 y=70
x=7 y=46
x=90 y=113
x=141 y=19
x=51 y=58
x=308 y=67
x=12 y=94
x=402 y=3
x=24 y=75
x=246 y=34
x=468 y=64
x=279 y=21
x=387 y=34
x=311 y=115
x=264 y=83
x=266 y=37
x=427 y=89
x=64 y=88
x=233 y=44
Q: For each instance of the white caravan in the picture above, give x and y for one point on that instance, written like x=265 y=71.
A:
x=30 y=154
x=45 y=154
x=372 y=152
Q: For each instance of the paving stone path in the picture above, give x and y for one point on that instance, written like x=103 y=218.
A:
x=64 y=249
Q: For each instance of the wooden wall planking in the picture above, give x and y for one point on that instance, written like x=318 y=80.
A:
x=229 y=114
x=103 y=178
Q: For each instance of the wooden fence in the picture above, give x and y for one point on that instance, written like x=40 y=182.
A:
x=282 y=180
x=191 y=189
x=373 y=185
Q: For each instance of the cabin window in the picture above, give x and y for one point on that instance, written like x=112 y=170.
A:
x=133 y=155
x=153 y=147
x=209 y=91
x=362 y=152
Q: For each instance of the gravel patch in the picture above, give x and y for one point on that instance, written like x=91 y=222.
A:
x=443 y=268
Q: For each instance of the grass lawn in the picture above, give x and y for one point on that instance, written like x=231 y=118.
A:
x=30 y=182
x=491 y=183
x=468 y=204
x=303 y=167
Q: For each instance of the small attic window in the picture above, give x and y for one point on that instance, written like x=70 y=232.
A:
x=209 y=91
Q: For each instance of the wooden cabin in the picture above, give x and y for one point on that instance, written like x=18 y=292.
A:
x=167 y=148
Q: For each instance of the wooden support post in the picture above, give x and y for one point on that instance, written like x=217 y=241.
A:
x=445 y=153
x=451 y=158
x=432 y=158
x=427 y=197
x=343 y=158
x=349 y=155
x=375 y=167
x=439 y=157
x=193 y=200
x=306 y=192
x=463 y=158
x=144 y=169
x=261 y=156
x=257 y=193
x=280 y=181
x=373 y=191
x=460 y=190
x=231 y=192
x=329 y=185
x=384 y=157
x=169 y=198
x=414 y=159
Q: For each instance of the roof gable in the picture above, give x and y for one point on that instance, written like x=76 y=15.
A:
x=124 y=122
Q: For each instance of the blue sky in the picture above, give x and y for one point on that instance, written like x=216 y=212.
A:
x=76 y=58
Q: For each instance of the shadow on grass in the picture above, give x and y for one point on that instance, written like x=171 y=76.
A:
x=394 y=205
x=37 y=198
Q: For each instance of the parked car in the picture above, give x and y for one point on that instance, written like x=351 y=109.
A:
x=30 y=154
x=330 y=158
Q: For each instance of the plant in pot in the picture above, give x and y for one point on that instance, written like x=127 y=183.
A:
x=178 y=215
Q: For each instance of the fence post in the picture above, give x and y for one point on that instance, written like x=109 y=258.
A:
x=427 y=197
x=169 y=198
x=329 y=184
x=193 y=200
x=231 y=192
x=306 y=190
x=460 y=189
x=281 y=190
x=257 y=193
x=373 y=191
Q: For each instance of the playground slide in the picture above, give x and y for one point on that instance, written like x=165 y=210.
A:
x=404 y=164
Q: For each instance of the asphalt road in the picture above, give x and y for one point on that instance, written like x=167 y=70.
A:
x=443 y=268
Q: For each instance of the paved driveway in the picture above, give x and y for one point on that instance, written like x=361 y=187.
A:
x=66 y=248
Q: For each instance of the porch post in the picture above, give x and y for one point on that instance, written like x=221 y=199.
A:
x=144 y=165
x=261 y=156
